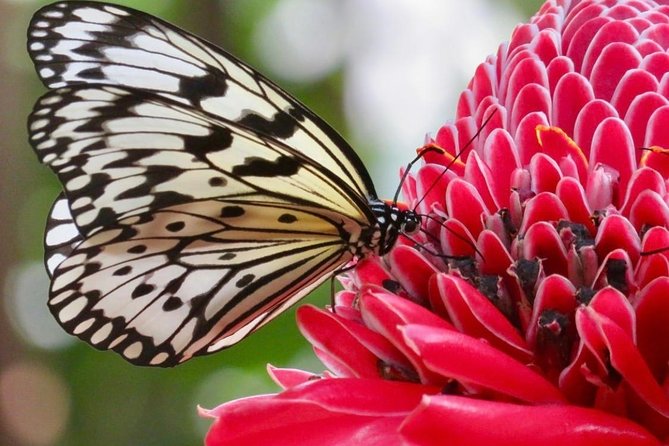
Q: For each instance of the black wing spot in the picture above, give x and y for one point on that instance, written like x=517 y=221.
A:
x=175 y=226
x=137 y=249
x=93 y=295
x=232 y=211
x=227 y=256
x=142 y=290
x=248 y=278
x=122 y=271
x=283 y=166
x=219 y=138
x=94 y=74
x=196 y=86
x=287 y=218
x=173 y=303
x=282 y=125
x=217 y=181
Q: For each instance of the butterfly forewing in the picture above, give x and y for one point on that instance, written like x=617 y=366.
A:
x=121 y=152
x=97 y=43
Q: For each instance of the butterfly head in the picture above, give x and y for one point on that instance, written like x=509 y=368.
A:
x=393 y=219
x=409 y=222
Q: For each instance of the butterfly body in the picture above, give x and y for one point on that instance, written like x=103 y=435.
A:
x=200 y=200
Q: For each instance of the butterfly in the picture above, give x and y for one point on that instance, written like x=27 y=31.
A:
x=200 y=200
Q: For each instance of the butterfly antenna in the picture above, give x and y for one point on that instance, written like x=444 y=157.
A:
x=434 y=253
x=654 y=251
x=421 y=154
x=458 y=236
x=456 y=157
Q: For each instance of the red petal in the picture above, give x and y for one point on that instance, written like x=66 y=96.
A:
x=643 y=179
x=545 y=46
x=319 y=413
x=473 y=314
x=658 y=133
x=558 y=68
x=579 y=15
x=532 y=98
x=495 y=256
x=612 y=64
x=466 y=105
x=545 y=207
x=582 y=37
x=545 y=173
x=572 y=93
x=526 y=136
x=614 y=305
x=571 y=194
x=616 y=232
x=479 y=175
x=432 y=178
x=287 y=378
x=657 y=64
x=385 y=314
x=588 y=121
x=329 y=333
x=464 y=204
x=632 y=84
x=412 y=270
x=456 y=240
x=649 y=209
x=652 y=311
x=484 y=82
x=652 y=266
x=542 y=241
x=602 y=333
x=458 y=421
x=656 y=239
x=500 y=153
x=511 y=81
x=612 y=146
x=554 y=293
x=658 y=33
x=473 y=361
x=639 y=113
x=521 y=35
x=371 y=271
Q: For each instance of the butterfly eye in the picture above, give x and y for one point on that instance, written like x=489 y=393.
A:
x=411 y=223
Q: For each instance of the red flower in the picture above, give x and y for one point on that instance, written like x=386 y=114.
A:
x=536 y=308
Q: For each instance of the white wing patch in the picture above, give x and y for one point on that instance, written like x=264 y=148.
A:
x=61 y=235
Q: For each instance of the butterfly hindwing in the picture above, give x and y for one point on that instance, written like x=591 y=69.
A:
x=162 y=287
x=96 y=43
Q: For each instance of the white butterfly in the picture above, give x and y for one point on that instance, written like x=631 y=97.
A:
x=200 y=199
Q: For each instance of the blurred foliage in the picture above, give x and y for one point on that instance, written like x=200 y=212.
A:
x=112 y=402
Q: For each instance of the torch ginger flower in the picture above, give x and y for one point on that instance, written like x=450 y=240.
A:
x=537 y=309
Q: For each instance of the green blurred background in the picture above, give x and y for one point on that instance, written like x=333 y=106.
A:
x=383 y=73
